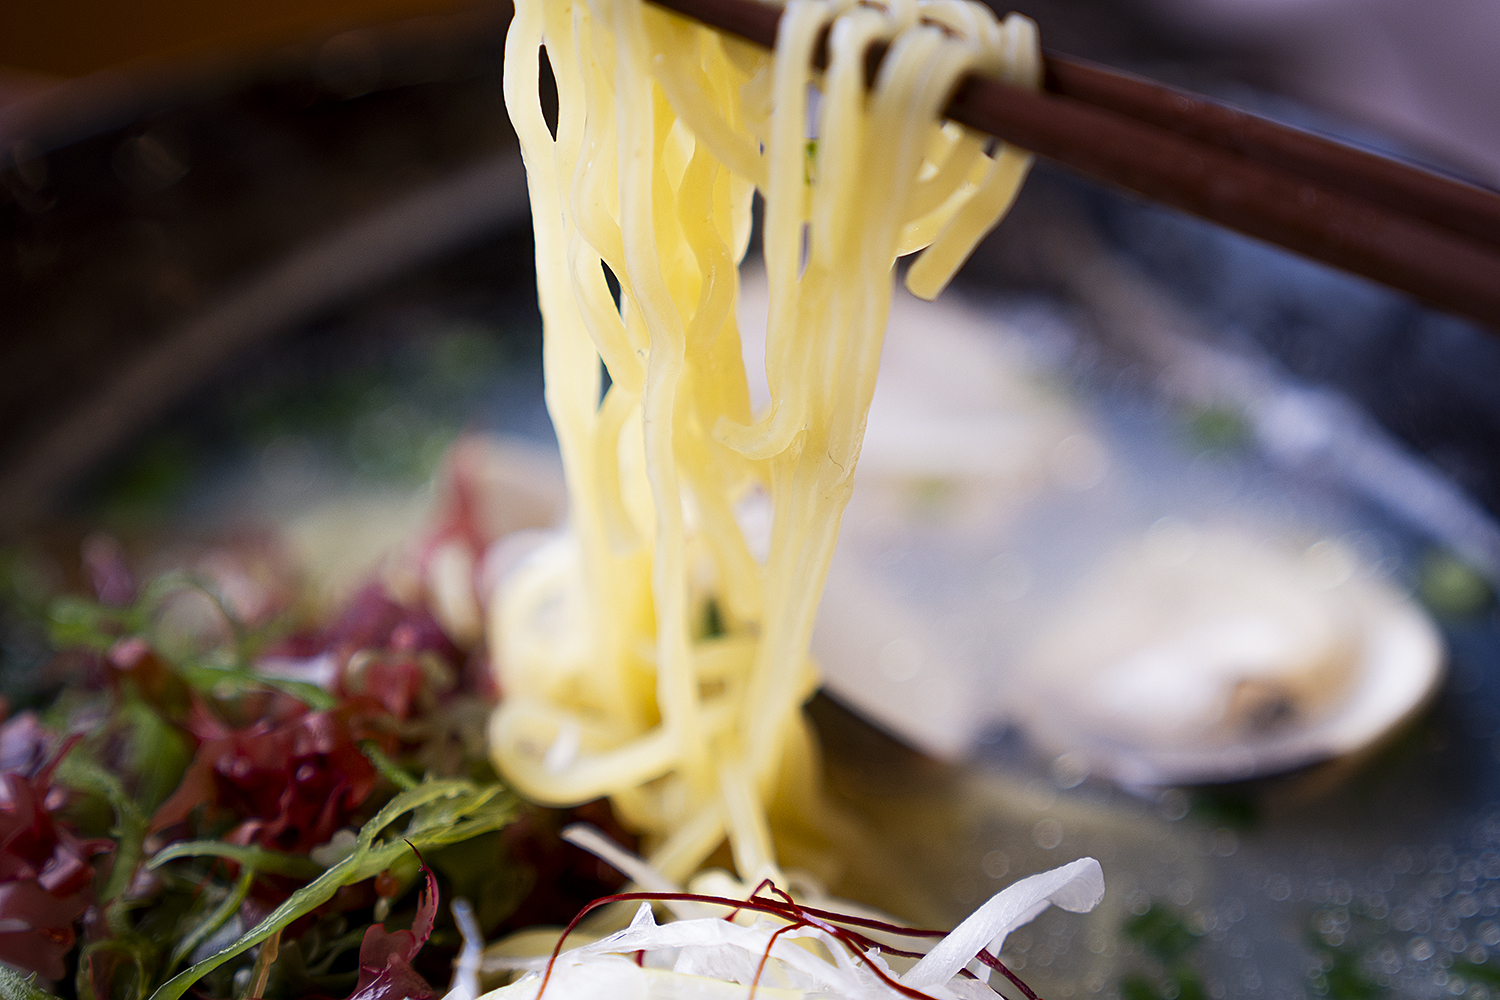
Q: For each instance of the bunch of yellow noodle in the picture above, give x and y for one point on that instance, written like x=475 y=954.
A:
x=657 y=654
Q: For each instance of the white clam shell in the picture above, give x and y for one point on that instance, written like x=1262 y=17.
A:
x=1231 y=660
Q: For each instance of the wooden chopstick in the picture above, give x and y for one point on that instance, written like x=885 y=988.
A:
x=1434 y=263
x=1414 y=230
x=1422 y=194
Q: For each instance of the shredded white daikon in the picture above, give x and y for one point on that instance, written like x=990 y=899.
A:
x=466 y=967
x=710 y=957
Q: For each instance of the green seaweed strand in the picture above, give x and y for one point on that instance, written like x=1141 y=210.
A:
x=443 y=812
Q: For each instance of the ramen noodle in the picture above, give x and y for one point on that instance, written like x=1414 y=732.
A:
x=658 y=653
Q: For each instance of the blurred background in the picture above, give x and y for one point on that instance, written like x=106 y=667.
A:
x=1422 y=70
x=46 y=42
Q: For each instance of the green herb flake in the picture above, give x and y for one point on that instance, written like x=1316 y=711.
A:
x=1452 y=588
x=1163 y=933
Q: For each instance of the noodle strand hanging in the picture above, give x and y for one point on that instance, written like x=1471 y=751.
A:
x=652 y=655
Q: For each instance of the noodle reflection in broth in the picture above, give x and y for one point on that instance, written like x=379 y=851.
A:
x=658 y=654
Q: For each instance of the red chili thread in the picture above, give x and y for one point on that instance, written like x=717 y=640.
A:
x=865 y=942
x=985 y=956
x=999 y=966
x=765 y=956
x=797 y=916
x=754 y=894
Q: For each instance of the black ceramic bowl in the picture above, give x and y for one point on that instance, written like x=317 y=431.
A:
x=326 y=253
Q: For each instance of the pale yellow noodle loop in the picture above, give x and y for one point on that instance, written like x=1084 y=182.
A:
x=658 y=655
